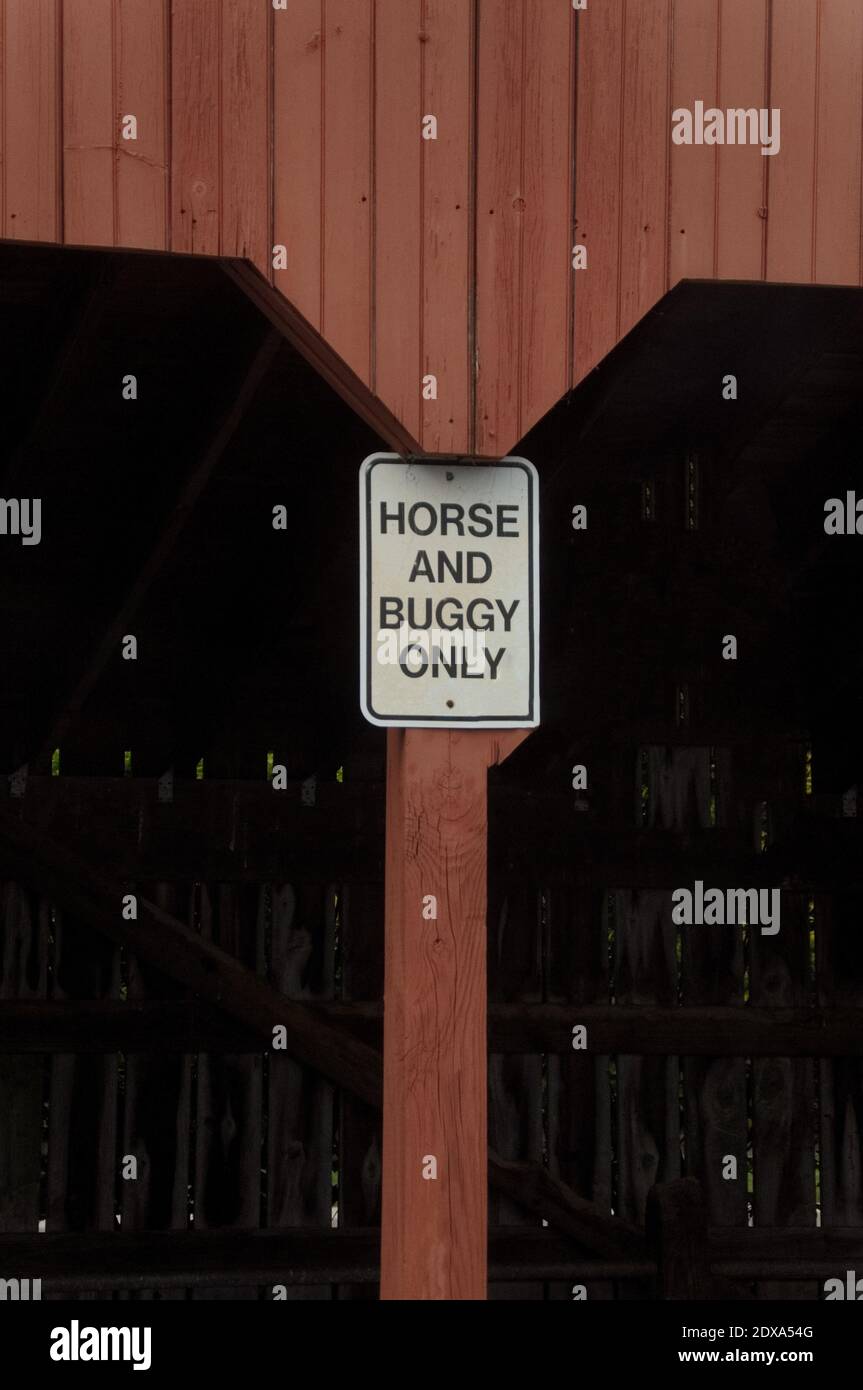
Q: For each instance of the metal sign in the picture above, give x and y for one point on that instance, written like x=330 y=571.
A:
x=449 y=593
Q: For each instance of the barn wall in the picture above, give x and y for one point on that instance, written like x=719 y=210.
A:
x=300 y=127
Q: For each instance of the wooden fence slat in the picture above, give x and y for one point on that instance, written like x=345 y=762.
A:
x=784 y=1089
x=24 y=929
x=361 y=934
x=840 y=981
x=648 y=1103
x=228 y=1120
x=301 y=1104
x=82 y=1117
x=157 y=1107
x=515 y=1094
x=579 y=1099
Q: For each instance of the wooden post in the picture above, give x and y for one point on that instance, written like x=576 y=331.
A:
x=435 y=1162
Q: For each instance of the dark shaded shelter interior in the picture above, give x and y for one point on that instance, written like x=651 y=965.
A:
x=705 y=518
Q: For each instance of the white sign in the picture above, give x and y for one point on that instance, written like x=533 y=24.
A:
x=449 y=594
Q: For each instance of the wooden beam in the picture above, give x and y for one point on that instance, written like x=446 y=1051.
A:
x=102 y=1260
x=317 y=351
x=434 y=1219
x=70 y=706
x=183 y=955
x=177 y=1025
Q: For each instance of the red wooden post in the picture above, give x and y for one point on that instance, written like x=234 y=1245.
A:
x=435 y=1163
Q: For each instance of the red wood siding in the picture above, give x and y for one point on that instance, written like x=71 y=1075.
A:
x=452 y=257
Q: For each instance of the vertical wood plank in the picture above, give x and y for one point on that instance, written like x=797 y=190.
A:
x=500 y=223
x=743 y=170
x=32 y=113
x=579 y=1099
x=712 y=971
x=301 y=1105
x=784 y=1089
x=228 y=1138
x=346 y=319
x=648 y=1104
x=435 y=1228
x=547 y=287
x=90 y=128
x=157 y=1106
x=446 y=174
x=24 y=927
x=645 y=159
x=840 y=132
x=196 y=117
x=142 y=164
x=82 y=1117
x=515 y=1086
x=599 y=142
x=840 y=982
x=362 y=953
x=298 y=137
x=400 y=45
x=794 y=58
x=245 y=132
x=694 y=168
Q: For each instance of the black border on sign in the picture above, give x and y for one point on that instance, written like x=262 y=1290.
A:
x=527 y=720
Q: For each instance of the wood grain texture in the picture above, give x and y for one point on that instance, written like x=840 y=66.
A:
x=347 y=183
x=434 y=1230
x=141 y=62
x=156 y=1108
x=794 y=65
x=31 y=205
x=743 y=171
x=399 y=238
x=645 y=159
x=547 y=283
x=196 y=118
x=784 y=1090
x=500 y=224
x=838 y=146
x=599 y=144
x=694 y=168
x=24 y=931
x=301 y=1105
x=301 y=128
x=90 y=126
x=447 y=71
x=297 y=151
x=245 y=134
